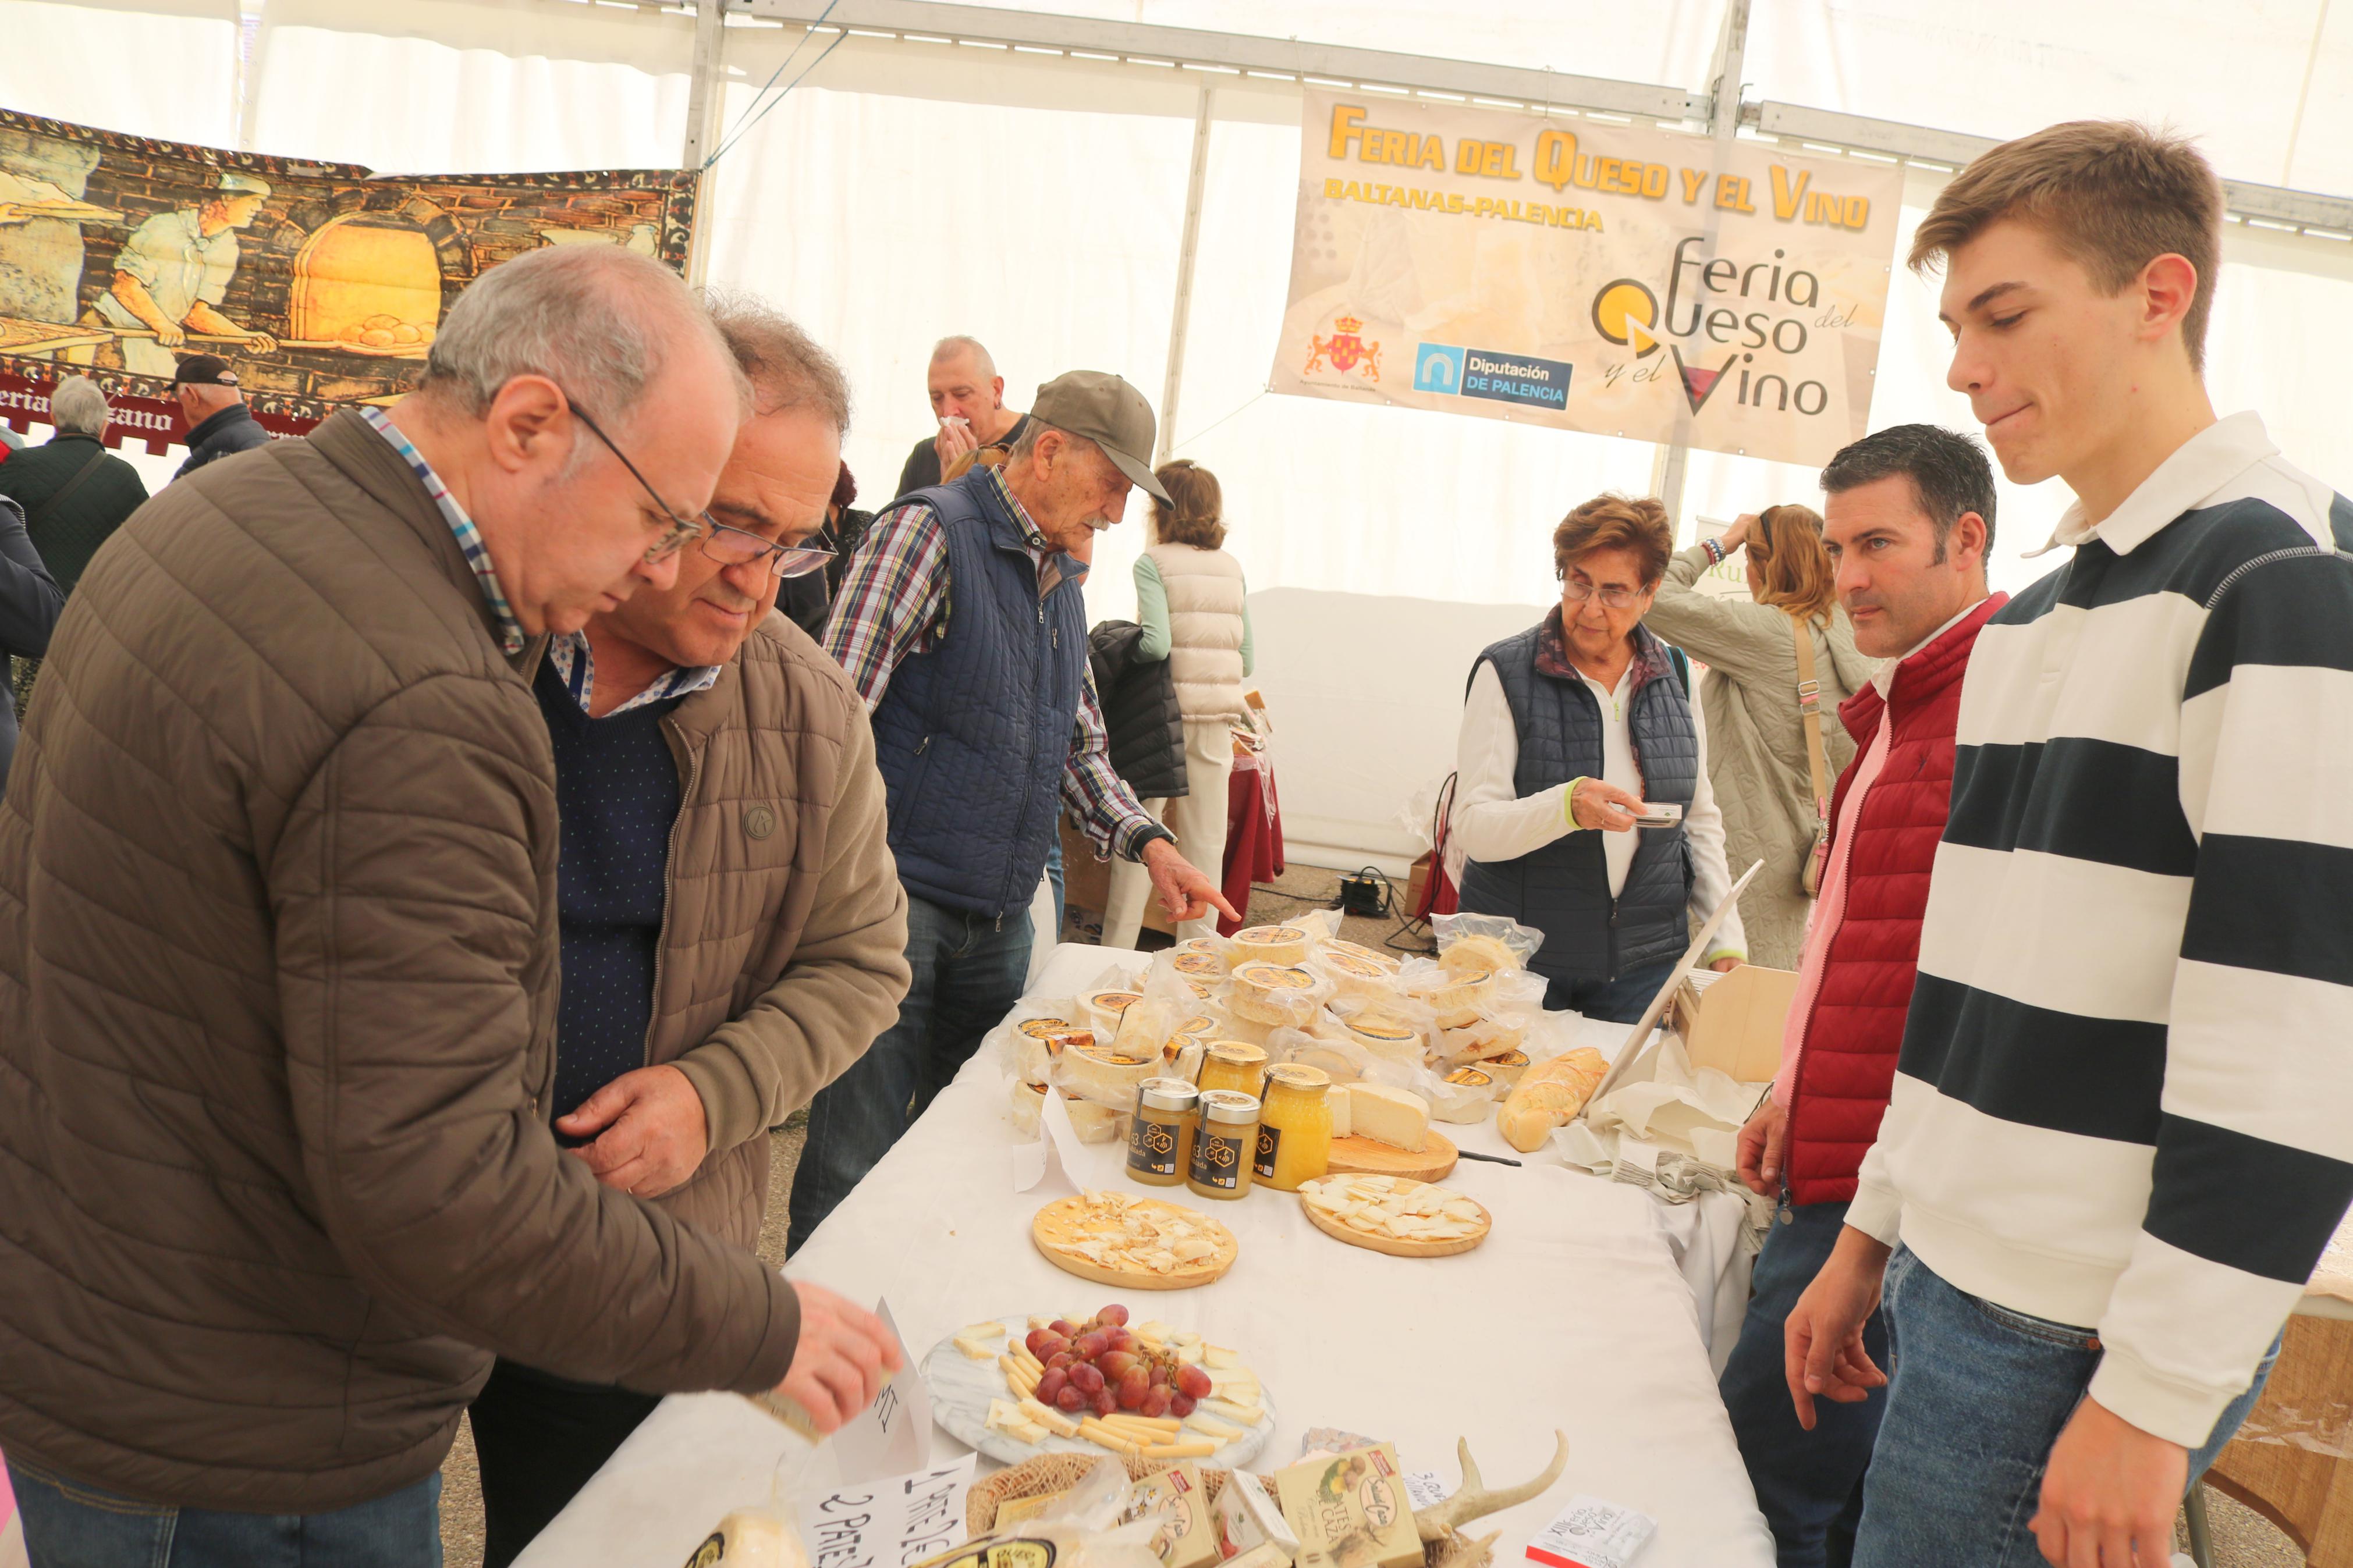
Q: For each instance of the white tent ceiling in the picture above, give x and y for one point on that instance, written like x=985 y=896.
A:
x=909 y=188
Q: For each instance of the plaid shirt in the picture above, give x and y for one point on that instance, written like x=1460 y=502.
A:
x=575 y=666
x=894 y=605
x=469 y=537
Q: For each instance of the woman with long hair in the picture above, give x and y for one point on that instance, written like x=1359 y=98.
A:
x=1761 y=762
x=1193 y=607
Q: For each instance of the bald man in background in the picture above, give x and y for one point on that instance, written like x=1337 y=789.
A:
x=969 y=400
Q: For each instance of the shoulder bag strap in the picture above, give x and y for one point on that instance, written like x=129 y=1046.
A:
x=57 y=497
x=1810 y=713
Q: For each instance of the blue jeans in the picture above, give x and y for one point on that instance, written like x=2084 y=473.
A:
x=968 y=970
x=1054 y=875
x=1619 y=1001
x=1978 y=1396
x=1809 y=1484
x=72 y=1524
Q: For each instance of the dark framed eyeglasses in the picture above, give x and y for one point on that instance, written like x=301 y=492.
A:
x=733 y=546
x=681 y=529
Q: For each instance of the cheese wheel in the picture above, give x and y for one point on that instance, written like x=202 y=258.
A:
x=1506 y=1068
x=1479 y=952
x=1103 y=1009
x=1104 y=1073
x=1199 y=967
x=1354 y=976
x=754 y=1538
x=1549 y=1095
x=1259 y=988
x=1465 y=1095
x=1483 y=1038
x=1270 y=944
x=1388 y=963
x=1456 y=1001
x=1384 y=1034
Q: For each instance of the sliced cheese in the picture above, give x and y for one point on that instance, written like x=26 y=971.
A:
x=1392 y=1116
x=1249 y=1414
x=976 y=1347
x=984 y=1331
x=1209 y=1426
x=1053 y=1420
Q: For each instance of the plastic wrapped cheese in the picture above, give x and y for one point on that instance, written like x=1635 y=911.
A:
x=1103 y=1009
x=1106 y=1074
x=1270 y=944
x=1274 y=993
x=1464 y=1096
x=1352 y=976
x=1387 y=961
x=751 y=1537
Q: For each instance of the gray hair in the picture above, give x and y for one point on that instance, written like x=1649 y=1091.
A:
x=957 y=343
x=1025 y=447
x=787 y=367
x=78 y=407
x=599 y=321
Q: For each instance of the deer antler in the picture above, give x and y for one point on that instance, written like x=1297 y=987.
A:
x=1473 y=1500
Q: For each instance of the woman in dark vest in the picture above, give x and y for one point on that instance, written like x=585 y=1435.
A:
x=1568 y=729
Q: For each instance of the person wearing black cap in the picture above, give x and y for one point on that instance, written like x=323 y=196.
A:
x=213 y=403
x=962 y=623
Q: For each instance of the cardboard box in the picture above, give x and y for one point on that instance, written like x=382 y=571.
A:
x=1185 y=1538
x=1733 y=1022
x=1351 y=1510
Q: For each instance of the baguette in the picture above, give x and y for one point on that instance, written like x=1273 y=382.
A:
x=1549 y=1095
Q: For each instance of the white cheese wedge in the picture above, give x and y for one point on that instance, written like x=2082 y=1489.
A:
x=1214 y=1357
x=1392 y=1116
x=982 y=1331
x=976 y=1347
x=1210 y=1426
x=1249 y=1414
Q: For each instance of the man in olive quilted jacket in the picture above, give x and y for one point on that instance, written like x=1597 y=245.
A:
x=279 y=963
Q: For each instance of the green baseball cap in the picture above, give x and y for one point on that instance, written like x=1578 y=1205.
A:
x=1103 y=410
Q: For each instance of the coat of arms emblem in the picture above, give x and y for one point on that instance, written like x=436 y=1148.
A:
x=1345 y=350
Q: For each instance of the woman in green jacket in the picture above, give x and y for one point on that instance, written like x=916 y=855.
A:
x=1757 y=742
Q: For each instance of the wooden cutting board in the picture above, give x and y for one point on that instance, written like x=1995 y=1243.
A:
x=1396 y=1247
x=1061 y=1224
x=1365 y=1157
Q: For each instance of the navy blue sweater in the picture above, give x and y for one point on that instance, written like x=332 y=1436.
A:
x=617 y=793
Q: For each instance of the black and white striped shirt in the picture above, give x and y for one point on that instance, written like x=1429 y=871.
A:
x=2126 y=1095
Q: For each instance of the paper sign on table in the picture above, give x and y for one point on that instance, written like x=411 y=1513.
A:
x=1589 y=1533
x=890 y=1523
x=1424 y=1488
x=892 y=1436
x=1056 y=1152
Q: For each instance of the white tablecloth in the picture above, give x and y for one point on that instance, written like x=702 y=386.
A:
x=1572 y=1315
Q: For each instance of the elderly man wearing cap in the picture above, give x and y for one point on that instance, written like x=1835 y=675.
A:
x=212 y=404
x=173 y=274
x=962 y=623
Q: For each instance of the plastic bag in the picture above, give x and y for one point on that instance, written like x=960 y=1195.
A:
x=1099 y=1523
x=1274 y=993
x=1500 y=935
x=1397 y=1028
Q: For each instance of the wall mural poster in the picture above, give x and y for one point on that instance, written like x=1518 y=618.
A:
x=1589 y=275
x=321 y=284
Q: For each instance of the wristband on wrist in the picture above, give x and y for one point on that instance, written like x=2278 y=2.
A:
x=1715 y=551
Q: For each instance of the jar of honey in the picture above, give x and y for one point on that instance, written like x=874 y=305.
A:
x=1231 y=1064
x=1225 y=1141
x=1160 y=1139
x=1294 y=1129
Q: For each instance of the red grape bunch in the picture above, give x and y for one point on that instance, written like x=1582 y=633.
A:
x=1098 y=1366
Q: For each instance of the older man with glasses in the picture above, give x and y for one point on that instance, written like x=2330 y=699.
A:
x=734 y=934
x=279 y=911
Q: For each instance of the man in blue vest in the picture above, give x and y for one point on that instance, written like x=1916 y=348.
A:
x=962 y=623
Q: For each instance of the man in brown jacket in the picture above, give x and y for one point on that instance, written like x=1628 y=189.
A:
x=734 y=932
x=279 y=964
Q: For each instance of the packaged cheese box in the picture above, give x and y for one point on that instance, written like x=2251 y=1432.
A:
x=1185 y=1538
x=1350 y=1511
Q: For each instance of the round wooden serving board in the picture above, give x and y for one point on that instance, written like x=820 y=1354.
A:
x=1064 y=1221
x=1394 y=1246
x=1365 y=1157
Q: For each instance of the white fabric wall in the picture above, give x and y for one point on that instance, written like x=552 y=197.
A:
x=907 y=190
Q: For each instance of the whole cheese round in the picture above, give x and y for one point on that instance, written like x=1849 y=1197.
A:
x=1354 y=976
x=1104 y=1073
x=1270 y=944
x=1258 y=986
x=1457 y=1001
x=1199 y=967
x=1061 y=1030
x=1389 y=964
x=1387 y=1035
x=1507 y=1068
x=1103 y=1009
x=1478 y=953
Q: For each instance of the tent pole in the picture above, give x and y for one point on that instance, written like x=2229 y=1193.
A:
x=1673 y=462
x=706 y=100
x=1181 y=320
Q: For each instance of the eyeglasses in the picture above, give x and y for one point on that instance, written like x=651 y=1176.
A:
x=1577 y=592
x=681 y=529
x=738 y=546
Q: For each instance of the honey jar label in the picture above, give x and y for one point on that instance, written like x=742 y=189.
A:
x=1217 y=1159
x=1152 y=1147
x=1270 y=1139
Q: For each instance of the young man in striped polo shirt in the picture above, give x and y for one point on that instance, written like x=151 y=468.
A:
x=2122 y=1126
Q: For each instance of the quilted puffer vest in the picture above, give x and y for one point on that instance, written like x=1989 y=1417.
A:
x=1563 y=889
x=1205 y=594
x=973 y=734
x=1854 y=1032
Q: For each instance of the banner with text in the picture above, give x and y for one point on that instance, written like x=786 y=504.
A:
x=1617 y=280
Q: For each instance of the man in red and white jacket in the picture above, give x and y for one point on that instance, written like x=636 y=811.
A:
x=1908 y=521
